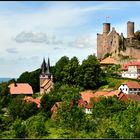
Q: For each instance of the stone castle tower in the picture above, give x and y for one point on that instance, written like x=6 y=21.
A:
x=46 y=78
x=130 y=30
x=115 y=44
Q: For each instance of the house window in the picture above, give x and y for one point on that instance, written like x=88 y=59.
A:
x=135 y=89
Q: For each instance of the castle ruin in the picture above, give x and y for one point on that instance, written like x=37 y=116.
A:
x=112 y=43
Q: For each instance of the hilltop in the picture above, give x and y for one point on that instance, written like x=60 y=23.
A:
x=116 y=45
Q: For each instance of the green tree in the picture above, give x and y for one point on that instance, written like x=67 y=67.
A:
x=69 y=93
x=137 y=35
x=106 y=107
x=35 y=126
x=20 y=109
x=19 y=127
x=70 y=117
x=90 y=73
x=32 y=78
x=4 y=94
x=70 y=72
x=58 y=75
x=47 y=102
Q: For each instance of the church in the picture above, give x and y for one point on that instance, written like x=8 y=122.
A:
x=46 y=78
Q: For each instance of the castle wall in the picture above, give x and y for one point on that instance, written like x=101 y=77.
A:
x=107 y=43
x=131 y=52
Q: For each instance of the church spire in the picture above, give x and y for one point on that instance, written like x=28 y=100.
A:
x=43 y=66
x=48 y=67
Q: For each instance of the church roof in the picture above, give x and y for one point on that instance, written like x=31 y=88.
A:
x=48 y=67
x=43 y=66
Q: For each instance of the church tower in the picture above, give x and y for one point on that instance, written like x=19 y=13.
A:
x=46 y=78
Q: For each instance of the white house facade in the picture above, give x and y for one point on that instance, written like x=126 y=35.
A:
x=88 y=110
x=130 y=88
x=131 y=70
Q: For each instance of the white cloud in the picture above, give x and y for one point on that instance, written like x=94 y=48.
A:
x=12 y=50
x=35 y=37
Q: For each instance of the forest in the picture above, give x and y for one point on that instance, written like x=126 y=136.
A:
x=110 y=118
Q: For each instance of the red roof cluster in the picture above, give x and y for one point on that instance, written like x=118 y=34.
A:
x=125 y=66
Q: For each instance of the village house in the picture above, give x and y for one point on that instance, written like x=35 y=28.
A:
x=131 y=70
x=88 y=97
x=130 y=87
x=85 y=101
x=20 y=89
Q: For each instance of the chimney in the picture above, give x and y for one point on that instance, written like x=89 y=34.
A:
x=15 y=84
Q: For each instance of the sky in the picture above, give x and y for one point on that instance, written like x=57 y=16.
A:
x=33 y=30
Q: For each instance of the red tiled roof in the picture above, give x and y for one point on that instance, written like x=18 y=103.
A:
x=132 y=84
x=125 y=66
x=30 y=99
x=133 y=97
x=20 y=88
x=87 y=95
x=113 y=93
x=109 y=61
x=84 y=104
x=100 y=93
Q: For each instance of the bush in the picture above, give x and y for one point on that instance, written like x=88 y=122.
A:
x=20 y=128
x=35 y=126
